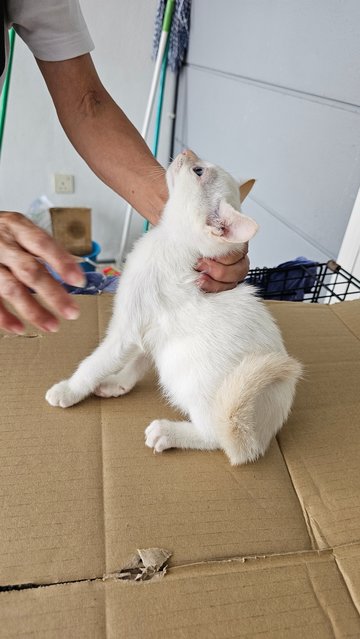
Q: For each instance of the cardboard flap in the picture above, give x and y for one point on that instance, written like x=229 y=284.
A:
x=349 y=314
x=321 y=441
x=348 y=561
x=52 y=523
x=80 y=493
x=295 y=596
x=55 y=612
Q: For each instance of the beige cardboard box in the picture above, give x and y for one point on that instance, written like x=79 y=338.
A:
x=271 y=549
x=71 y=227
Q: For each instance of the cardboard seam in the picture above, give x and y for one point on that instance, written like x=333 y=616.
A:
x=300 y=554
x=316 y=552
x=103 y=474
x=103 y=499
x=172 y=569
x=306 y=516
x=103 y=481
x=34 y=586
x=344 y=323
x=320 y=603
x=25 y=336
x=346 y=584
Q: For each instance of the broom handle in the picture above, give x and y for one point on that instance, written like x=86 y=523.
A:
x=155 y=80
x=150 y=104
x=5 y=91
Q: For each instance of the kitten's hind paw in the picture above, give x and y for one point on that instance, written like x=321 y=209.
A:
x=111 y=389
x=61 y=395
x=158 y=435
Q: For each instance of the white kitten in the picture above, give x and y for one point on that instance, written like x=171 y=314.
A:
x=220 y=357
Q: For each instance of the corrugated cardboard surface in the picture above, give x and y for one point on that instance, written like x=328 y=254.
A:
x=79 y=492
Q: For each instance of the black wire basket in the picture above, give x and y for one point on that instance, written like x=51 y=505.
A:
x=313 y=282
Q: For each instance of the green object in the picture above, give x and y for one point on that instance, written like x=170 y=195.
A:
x=159 y=112
x=160 y=101
x=5 y=90
x=169 y=10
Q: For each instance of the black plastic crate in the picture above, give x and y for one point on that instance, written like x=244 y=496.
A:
x=315 y=282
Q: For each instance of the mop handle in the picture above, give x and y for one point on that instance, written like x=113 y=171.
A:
x=162 y=46
x=5 y=92
x=145 y=127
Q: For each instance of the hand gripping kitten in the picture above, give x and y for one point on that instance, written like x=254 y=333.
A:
x=220 y=357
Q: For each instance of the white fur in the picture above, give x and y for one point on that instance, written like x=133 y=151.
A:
x=220 y=357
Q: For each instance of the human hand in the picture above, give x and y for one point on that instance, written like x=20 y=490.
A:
x=223 y=273
x=22 y=245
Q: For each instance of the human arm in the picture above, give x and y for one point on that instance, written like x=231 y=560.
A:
x=116 y=152
x=103 y=135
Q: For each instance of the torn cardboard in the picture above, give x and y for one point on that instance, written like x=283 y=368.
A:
x=145 y=564
x=80 y=492
x=292 y=596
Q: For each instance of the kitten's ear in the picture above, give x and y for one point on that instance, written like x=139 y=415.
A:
x=245 y=189
x=230 y=225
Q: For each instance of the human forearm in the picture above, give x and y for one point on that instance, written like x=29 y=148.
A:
x=116 y=152
x=104 y=136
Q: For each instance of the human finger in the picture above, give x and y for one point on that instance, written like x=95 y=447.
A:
x=32 y=273
x=233 y=256
x=24 y=303
x=226 y=273
x=10 y=322
x=208 y=285
x=39 y=243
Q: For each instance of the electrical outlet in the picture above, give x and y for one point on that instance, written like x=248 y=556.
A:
x=63 y=183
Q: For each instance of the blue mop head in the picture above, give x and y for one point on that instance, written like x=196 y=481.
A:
x=179 y=33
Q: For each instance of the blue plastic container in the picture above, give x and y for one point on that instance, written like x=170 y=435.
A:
x=95 y=250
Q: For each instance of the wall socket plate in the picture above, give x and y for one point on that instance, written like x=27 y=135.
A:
x=63 y=183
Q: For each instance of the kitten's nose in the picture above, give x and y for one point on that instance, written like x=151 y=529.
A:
x=190 y=154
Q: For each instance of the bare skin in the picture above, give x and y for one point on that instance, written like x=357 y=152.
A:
x=217 y=276
x=117 y=154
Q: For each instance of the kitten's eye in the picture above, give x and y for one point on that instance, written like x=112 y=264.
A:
x=198 y=170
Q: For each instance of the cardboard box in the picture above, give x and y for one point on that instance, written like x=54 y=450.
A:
x=71 y=227
x=271 y=549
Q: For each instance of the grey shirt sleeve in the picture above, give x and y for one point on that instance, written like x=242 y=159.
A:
x=52 y=29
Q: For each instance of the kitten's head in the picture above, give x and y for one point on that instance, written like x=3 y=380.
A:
x=206 y=202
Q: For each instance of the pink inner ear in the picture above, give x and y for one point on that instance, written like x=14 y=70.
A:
x=231 y=225
x=242 y=229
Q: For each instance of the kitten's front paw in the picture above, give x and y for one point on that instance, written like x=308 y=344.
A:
x=61 y=395
x=158 y=435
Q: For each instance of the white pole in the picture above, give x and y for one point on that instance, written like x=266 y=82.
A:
x=144 y=132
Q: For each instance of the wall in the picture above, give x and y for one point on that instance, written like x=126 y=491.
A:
x=272 y=91
x=349 y=255
x=34 y=144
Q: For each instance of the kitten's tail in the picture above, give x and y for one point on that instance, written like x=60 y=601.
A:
x=253 y=402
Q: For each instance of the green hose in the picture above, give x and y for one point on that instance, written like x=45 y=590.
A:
x=5 y=91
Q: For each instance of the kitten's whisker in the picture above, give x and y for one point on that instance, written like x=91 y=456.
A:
x=156 y=169
x=155 y=176
x=155 y=172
